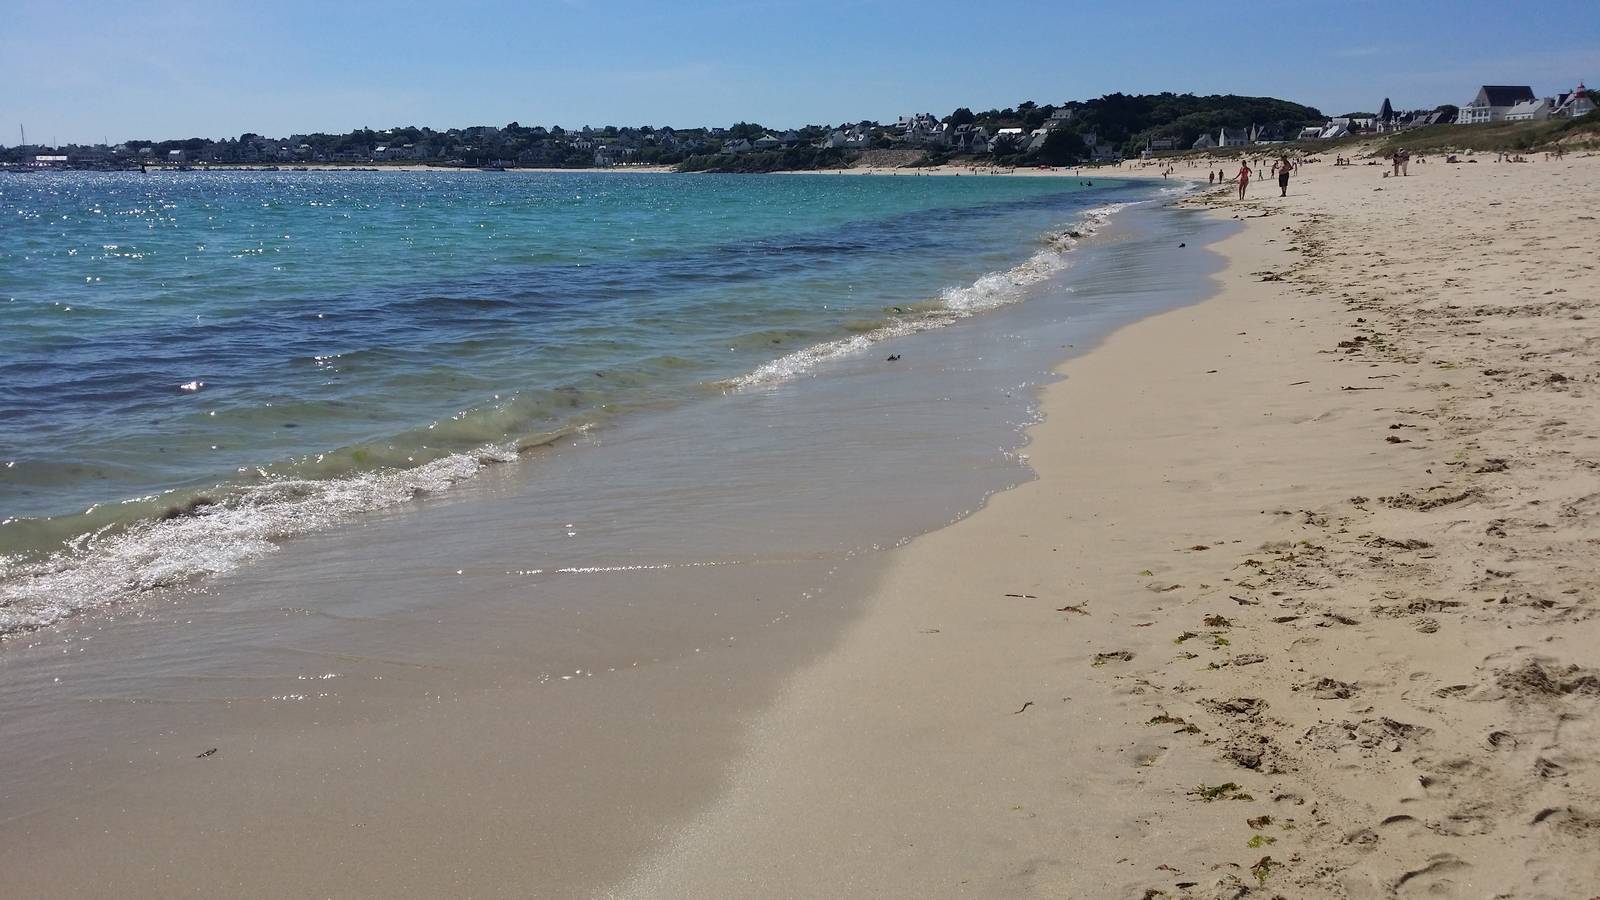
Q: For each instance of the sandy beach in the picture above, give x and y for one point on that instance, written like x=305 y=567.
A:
x=1302 y=603
x=520 y=685
x=1299 y=603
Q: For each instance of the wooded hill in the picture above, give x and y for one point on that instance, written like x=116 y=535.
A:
x=1130 y=121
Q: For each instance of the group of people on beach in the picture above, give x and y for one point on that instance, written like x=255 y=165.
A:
x=1282 y=167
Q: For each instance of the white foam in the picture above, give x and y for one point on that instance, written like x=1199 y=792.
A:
x=109 y=567
x=990 y=291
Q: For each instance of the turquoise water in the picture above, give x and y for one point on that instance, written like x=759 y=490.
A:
x=265 y=354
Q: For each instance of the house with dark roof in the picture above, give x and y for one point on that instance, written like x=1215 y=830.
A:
x=1390 y=119
x=1493 y=102
x=1267 y=134
x=1233 y=137
x=1574 y=104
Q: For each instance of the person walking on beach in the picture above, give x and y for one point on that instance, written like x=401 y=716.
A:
x=1282 y=167
x=1243 y=177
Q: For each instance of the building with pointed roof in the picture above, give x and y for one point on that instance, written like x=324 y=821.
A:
x=1574 y=104
x=1530 y=110
x=1493 y=102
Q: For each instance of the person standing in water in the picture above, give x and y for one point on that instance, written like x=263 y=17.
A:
x=1283 y=166
x=1243 y=177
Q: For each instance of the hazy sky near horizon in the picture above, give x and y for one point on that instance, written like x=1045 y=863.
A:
x=81 y=71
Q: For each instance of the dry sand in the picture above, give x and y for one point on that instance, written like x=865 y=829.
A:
x=1301 y=605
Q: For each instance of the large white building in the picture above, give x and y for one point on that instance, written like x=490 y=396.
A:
x=1493 y=102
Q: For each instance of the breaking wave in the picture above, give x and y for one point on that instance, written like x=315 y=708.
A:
x=175 y=540
x=991 y=291
x=211 y=536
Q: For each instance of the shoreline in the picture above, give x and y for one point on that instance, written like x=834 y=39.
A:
x=1294 y=606
x=135 y=526
x=943 y=169
x=1271 y=621
x=520 y=705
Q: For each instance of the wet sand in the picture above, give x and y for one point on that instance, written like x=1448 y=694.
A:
x=1302 y=603
x=424 y=704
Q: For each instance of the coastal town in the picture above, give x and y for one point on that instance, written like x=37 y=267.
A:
x=1094 y=132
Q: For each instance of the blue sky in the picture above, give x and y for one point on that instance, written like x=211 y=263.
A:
x=83 y=71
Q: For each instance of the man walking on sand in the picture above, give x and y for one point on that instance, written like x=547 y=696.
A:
x=1282 y=167
x=1243 y=177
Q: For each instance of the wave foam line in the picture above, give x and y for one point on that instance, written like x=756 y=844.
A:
x=991 y=291
x=110 y=567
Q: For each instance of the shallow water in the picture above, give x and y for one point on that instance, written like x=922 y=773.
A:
x=196 y=366
x=518 y=686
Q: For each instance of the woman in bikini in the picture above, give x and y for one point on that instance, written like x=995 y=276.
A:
x=1243 y=177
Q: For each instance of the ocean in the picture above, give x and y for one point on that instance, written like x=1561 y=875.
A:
x=194 y=366
x=582 y=467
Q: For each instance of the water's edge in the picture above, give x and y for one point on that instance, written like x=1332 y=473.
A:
x=418 y=674
x=120 y=552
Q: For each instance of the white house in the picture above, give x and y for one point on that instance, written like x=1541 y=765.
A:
x=1492 y=103
x=836 y=140
x=1531 y=110
x=924 y=134
x=1574 y=104
x=970 y=138
x=768 y=142
x=737 y=146
x=858 y=137
x=1233 y=137
x=1013 y=136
